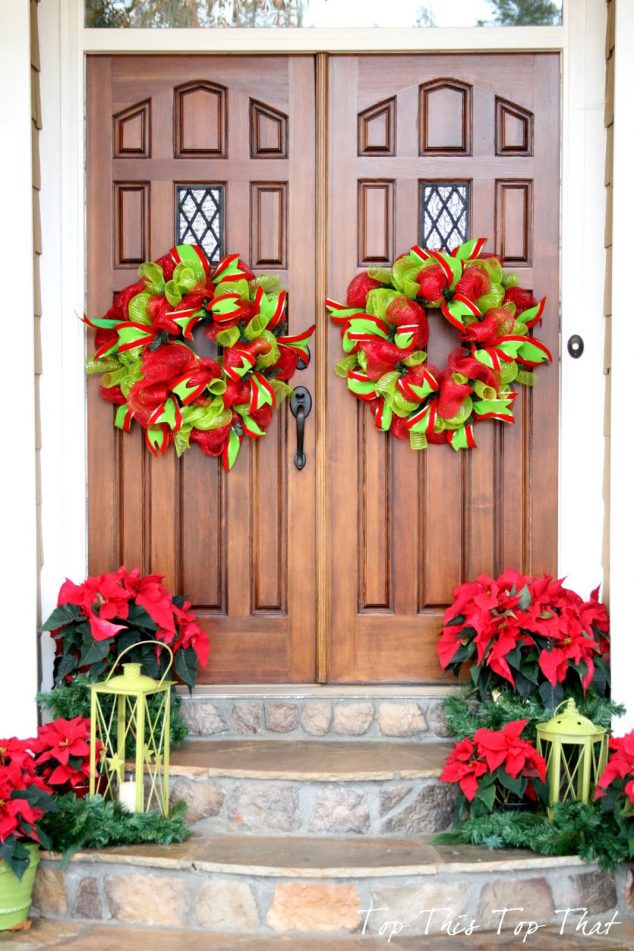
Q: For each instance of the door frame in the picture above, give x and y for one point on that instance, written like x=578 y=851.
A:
x=64 y=44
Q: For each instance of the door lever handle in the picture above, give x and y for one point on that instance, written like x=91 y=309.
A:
x=301 y=404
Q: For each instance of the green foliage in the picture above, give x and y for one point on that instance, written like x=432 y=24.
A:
x=465 y=715
x=72 y=699
x=524 y=13
x=575 y=829
x=194 y=13
x=77 y=824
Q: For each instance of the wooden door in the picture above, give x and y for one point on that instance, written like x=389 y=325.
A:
x=482 y=133
x=401 y=528
x=228 y=144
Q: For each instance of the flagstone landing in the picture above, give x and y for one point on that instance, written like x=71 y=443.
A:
x=82 y=936
x=266 y=887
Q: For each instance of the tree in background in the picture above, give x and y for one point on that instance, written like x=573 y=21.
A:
x=523 y=13
x=194 y=13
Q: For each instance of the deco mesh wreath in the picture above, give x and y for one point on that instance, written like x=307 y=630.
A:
x=384 y=327
x=152 y=374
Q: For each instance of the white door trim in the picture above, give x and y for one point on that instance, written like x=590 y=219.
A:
x=65 y=43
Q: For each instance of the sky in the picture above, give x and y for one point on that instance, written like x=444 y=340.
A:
x=402 y=13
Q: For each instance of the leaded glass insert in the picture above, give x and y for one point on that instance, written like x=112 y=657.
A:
x=444 y=214
x=200 y=218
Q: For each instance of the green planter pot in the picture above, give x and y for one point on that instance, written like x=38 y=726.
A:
x=15 y=893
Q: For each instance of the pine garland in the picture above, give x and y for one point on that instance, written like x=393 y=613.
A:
x=465 y=715
x=94 y=823
x=575 y=829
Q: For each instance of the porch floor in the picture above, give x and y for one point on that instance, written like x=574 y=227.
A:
x=80 y=936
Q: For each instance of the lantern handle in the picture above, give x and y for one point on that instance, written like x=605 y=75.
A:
x=140 y=644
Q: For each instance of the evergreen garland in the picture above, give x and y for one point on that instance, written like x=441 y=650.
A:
x=575 y=829
x=465 y=715
x=94 y=823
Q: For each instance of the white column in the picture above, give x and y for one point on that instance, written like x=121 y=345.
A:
x=621 y=427
x=583 y=262
x=18 y=544
x=63 y=383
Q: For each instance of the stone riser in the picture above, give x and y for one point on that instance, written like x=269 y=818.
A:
x=300 y=808
x=303 y=718
x=201 y=899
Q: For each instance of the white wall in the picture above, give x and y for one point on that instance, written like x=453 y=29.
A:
x=18 y=545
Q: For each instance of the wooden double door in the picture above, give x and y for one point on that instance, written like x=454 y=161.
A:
x=315 y=168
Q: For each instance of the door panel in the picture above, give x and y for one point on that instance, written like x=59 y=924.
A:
x=241 y=545
x=407 y=527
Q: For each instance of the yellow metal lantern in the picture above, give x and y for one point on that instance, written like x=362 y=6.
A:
x=121 y=717
x=575 y=750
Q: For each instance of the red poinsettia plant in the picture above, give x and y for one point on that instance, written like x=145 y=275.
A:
x=616 y=784
x=96 y=620
x=24 y=798
x=496 y=767
x=529 y=633
x=32 y=772
x=62 y=754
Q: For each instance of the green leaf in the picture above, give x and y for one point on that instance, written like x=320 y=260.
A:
x=94 y=651
x=486 y=794
x=525 y=598
x=515 y=785
x=185 y=664
x=65 y=665
x=61 y=616
x=16 y=855
x=551 y=696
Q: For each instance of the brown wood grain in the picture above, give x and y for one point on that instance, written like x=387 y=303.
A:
x=241 y=547
x=449 y=516
x=340 y=572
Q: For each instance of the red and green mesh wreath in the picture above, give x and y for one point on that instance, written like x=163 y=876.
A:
x=154 y=377
x=384 y=328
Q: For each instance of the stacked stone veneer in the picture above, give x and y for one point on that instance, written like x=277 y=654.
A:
x=301 y=718
x=315 y=808
x=187 y=893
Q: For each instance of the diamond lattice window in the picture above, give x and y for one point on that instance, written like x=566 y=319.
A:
x=444 y=214
x=200 y=218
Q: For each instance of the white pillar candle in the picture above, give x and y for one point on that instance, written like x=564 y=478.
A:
x=127 y=795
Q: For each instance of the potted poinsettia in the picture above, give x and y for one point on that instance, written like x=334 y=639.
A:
x=104 y=615
x=24 y=799
x=496 y=769
x=528 y=633
x=97 y=619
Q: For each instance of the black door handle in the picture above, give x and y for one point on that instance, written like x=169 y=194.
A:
x=301 y=405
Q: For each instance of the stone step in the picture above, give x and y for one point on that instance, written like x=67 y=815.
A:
x=313 y=788
x=325 y=713
x=264 y=886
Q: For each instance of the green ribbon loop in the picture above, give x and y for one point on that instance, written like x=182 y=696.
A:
x=348 y=363
x=103 y=365
x=415 y=358
x=137 y=308
x=269 y=359
x=255 y=327
x=508 y=372
x=417 y=440
x=153 y=276
x=483 y=391
x=227 y=338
